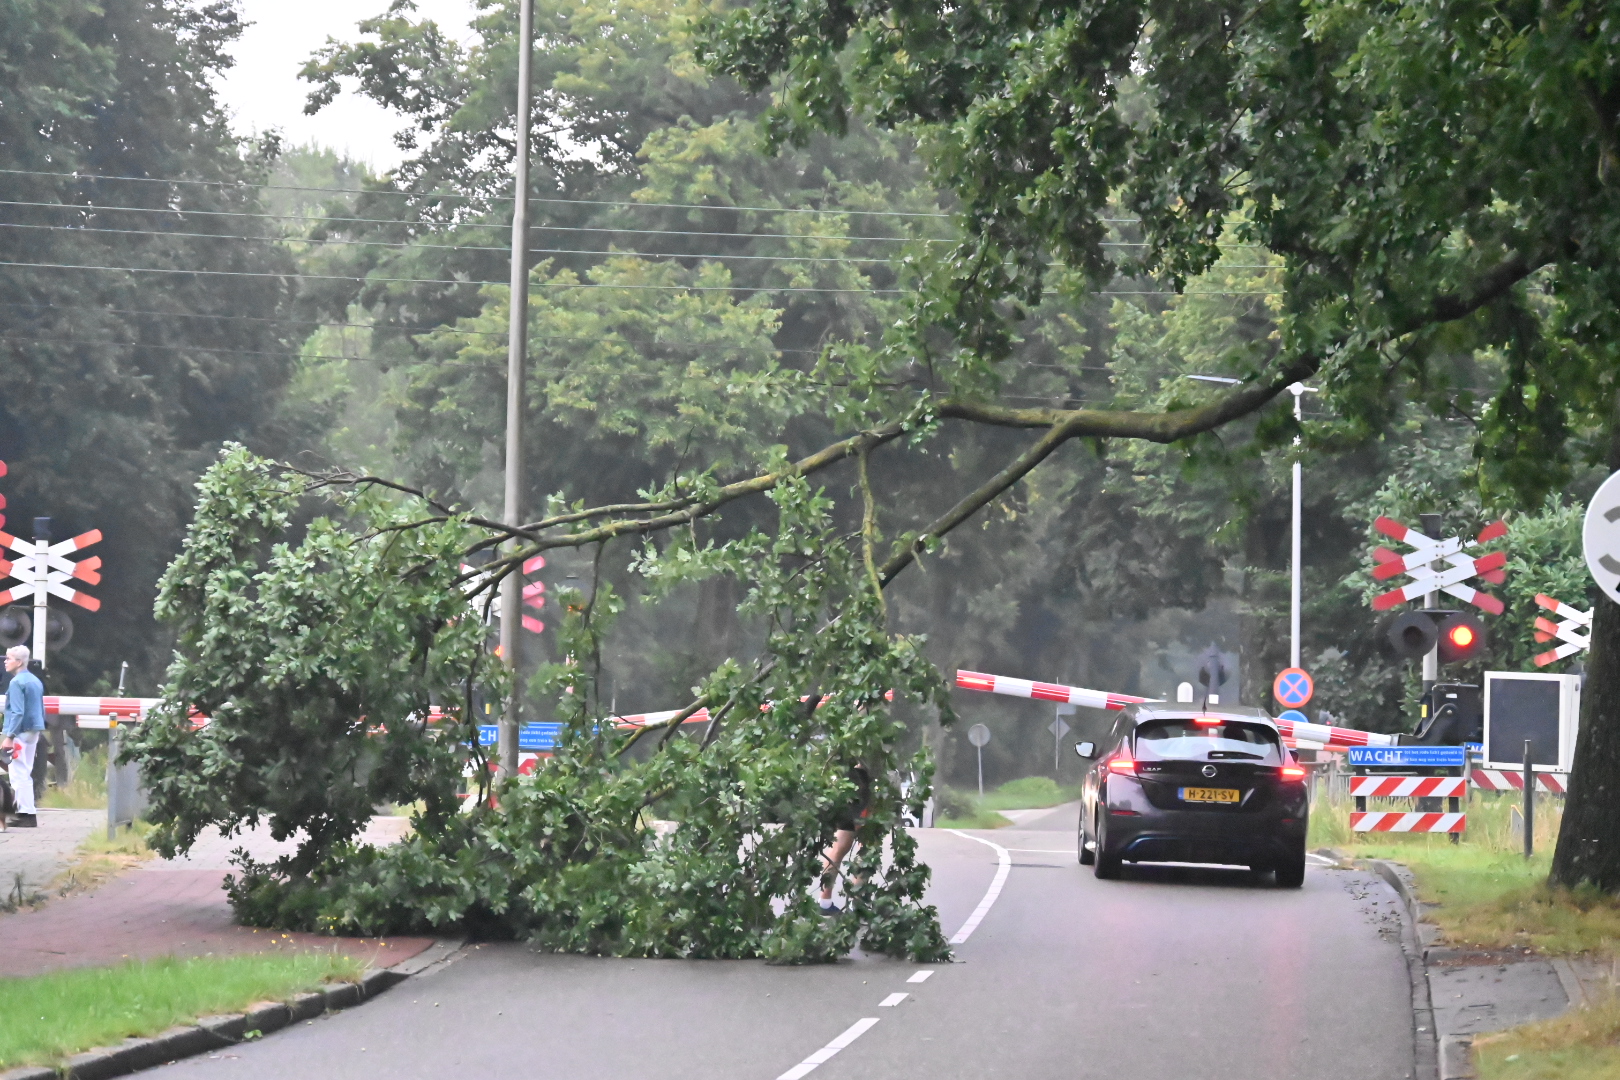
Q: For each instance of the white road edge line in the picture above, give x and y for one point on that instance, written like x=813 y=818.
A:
x=808 y=1065
x=1321 y=860
x=893 y=999
x=991 y=893
x=921 y=976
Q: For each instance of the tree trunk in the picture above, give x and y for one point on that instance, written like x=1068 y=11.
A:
x=1589 y=838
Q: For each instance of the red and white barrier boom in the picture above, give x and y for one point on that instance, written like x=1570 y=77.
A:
x=1334 y=737
x=1574 y=629
x=1425 y=578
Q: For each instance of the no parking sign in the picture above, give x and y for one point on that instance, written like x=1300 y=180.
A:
x=1293 y=687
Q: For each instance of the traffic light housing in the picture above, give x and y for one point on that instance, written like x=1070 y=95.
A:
x=1462 y=638
x=1411 y=635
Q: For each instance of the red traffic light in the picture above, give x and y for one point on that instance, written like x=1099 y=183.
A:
x=1462 y=637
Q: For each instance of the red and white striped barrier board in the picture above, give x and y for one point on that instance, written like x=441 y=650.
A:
x=1504 y=780
x=1040 y=691
x=1425 y=579
x=1403 y=786
x=1574 y=630
x=1391 y=821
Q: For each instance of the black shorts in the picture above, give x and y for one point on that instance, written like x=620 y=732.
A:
x=850 y=815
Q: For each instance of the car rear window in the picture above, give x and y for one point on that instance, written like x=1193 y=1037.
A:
x=1185 y=740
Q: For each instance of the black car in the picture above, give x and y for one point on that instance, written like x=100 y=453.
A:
x=1178 y=784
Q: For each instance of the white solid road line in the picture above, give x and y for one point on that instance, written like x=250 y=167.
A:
x=921 y=976
x=808 y=1065
x=893 y=999
x=991 y=893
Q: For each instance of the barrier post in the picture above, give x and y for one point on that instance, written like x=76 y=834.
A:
x=1529 y=803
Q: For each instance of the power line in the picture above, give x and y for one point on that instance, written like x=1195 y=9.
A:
x=396 y=221
x=244 y=352
x=438 y=329
x=240 y=185
x=403 y=245
x=450 y=281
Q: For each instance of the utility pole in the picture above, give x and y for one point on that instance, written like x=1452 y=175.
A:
x=1299 y=390
x=517 y=342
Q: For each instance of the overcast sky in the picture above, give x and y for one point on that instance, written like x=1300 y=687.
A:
x=264 y=91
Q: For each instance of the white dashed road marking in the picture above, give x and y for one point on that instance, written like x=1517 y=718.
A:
x=921 y=976
x=893 y=999
x=826 y=1053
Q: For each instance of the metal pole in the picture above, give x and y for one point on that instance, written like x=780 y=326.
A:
x=42 y=581
x=1431 y=660
x=1529 y=803
x=112 y=780
x=980 y=749
x=517 y=341
x=1299 y=390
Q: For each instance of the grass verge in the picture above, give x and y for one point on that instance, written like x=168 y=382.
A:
x=50 y=1017
x=1489 y=895
x=962 y=810
x=88 y=788
x=1583 y=1044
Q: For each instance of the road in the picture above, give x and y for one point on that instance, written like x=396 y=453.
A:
x=1171 y=974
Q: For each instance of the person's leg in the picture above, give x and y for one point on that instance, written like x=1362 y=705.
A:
x=22 y=771
x=843 y=840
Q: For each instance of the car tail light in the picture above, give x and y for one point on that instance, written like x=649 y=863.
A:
x=1293 y=772
x=1122 y=765
x=1209 y=721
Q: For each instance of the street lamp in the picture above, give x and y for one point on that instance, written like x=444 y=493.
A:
x=1298 y=390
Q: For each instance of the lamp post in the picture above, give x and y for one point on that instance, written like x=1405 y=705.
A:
x=1298 y=390
x=517 y=340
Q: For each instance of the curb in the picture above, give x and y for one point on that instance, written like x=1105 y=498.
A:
x=1434 y=1058
x=217 y=1032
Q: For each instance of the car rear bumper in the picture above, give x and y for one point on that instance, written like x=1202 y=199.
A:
x=1152 y=834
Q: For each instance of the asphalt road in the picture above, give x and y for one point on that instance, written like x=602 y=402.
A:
x=1170 y=974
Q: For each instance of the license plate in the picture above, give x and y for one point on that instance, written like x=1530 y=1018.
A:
x=1210 y=794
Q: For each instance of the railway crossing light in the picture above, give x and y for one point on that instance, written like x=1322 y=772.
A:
x=1411 y=635
x=1462 y=637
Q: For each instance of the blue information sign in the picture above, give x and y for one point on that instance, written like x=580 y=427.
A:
x=1293 y=716
x=1418 y=757
x=530 y=736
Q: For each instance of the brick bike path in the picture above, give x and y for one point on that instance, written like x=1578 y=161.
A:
x=173 y=909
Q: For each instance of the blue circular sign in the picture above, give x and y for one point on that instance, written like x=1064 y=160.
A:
x=1293 y=687
x=1294 y=716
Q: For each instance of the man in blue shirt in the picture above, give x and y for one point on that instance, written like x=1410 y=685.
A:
x=25 y=719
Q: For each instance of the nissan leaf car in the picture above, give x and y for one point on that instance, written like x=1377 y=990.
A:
x=1177 y=784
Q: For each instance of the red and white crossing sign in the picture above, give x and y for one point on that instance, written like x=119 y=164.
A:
x=1419 y=566
x=43 y=569
x=1396 y=821
x=534 y=593
x=1574 y=629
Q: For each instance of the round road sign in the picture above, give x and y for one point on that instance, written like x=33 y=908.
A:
x=978 y=734
x=1293 y=687
x=1600 y=537
x=1293 y=716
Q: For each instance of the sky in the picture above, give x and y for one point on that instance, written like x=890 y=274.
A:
x=263 y=90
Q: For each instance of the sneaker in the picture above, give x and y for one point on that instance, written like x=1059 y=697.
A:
x=22 y=821
x=830 y=908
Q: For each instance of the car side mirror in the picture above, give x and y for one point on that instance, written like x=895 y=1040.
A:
x=1087 y=750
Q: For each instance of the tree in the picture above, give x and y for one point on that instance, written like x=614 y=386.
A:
x=1436 y=180
x=140 y=328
